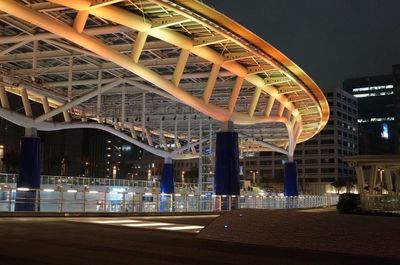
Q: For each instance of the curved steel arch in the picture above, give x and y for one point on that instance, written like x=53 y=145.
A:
x=300 y=105
x=28 y=122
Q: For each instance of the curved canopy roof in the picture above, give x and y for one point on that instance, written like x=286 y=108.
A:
x=191 y=61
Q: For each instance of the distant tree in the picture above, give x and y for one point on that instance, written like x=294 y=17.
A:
x=338 y=184
x=341 y=183
x=350 y=183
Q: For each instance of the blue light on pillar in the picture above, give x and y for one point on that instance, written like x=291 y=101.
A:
x=29 y=173
x=290 y=179
x=227 y=179
x=167 y=178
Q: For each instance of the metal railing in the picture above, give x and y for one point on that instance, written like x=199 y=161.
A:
x=6 y=178
x=140 y=185
x=57 y=180
x=85 y=181
x=380 y=203
x=50 y=200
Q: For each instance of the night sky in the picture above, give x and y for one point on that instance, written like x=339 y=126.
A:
x=329 y=39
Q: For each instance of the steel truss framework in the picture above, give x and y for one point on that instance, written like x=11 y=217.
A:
x=161 y=74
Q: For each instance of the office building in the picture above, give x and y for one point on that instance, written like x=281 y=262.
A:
x=378 y=108
x=149 y=167
x=320 y=159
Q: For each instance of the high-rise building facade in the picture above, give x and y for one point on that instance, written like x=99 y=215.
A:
x=396 y=90
x=320 y=159
x=378 y=111
x=149 y=167
x=107 y=156
x=10 y=135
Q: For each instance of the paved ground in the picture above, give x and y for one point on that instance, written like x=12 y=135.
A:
x=185 y=224
x=65 y=241
x=311 y=229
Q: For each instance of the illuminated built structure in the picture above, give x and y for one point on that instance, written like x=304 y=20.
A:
x=164 y=75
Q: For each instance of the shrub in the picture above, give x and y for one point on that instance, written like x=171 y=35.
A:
x=348 y=203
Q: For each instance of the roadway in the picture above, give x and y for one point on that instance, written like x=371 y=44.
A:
x=139 y=240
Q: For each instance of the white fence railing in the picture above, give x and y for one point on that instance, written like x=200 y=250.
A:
x=50 y=200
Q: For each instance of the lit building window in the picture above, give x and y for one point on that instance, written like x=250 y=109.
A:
x=114 y=172
x=376 y=119
x=372 y=88
x=364 y=95
x=1 y=152
x=126 y=148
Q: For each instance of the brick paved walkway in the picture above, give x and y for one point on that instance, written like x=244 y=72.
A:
x=314 y=229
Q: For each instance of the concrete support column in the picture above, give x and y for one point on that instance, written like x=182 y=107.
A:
x=167 y=177
x=290 y=178
x=227 y=179
x=29 y=171
x=397 y=183
x=372 y=179
x=360 y=179
x=389 y=181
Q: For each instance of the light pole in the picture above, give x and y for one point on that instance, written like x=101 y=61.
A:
x=86 y=169
x=154 y=171
x=149 y=175
x=183 y=177
x=254 y=176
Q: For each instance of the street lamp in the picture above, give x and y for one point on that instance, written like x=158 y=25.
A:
x=149 y=175
x=254 y=176
x=86 y=169
x=183 y=176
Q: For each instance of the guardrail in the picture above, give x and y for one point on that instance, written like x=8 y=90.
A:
x=380 y=203
x=6 y=178
x=50 y=200
x=69 y=180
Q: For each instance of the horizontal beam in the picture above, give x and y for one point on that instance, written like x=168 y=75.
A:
x=276 y=80
x=264 y=144
x=105 y=66
x=164 y=22
x=234 y=56
x=13 y=47
x=77 y=101
x=57 y=54
x=45 y=36
x=252 y=70
x=194 y=75
x=204 y=41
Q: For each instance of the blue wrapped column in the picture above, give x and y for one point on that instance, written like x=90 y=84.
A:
x=29 y=173
x=227 y=179
x=167 y=186
x=167 y=177
x=290 y=179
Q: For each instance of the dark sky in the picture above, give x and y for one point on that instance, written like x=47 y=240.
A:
x=329 y=39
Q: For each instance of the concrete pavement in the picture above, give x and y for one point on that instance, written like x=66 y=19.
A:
x=60 y=241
